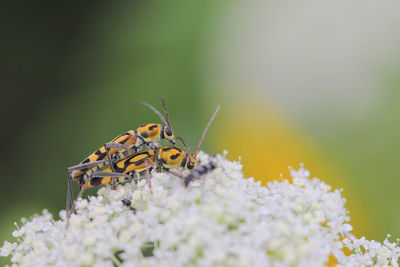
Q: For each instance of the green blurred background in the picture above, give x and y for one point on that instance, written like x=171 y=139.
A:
x=307 y=82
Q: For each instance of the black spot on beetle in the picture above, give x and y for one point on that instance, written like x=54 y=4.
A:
x=165 y=149
x=124 y=141
x=139 y=162
x=100 y=155
x=175 y=156
x=152 y=127
x=96 y=181
x=144 y=134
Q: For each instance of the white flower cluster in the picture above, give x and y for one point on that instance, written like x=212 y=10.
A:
x=221 y=219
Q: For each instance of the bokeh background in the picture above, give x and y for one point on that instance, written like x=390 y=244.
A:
x=302 y=82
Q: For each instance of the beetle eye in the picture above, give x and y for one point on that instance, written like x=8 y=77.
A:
x=168 y=131
x=190 y=165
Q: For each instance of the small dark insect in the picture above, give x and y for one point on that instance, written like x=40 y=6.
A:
x=128 y=203
x=198 y=172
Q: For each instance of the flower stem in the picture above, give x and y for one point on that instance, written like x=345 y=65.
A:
x=115 y=261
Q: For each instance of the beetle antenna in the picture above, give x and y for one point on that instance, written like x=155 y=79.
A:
x=155 y=111
x=205 y=131
x=165 y=111
x=184 y=144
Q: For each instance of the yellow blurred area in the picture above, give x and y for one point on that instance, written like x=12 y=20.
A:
x=332 y=261
x=268 y=144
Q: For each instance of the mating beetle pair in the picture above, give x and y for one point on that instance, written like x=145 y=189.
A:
x=120 y=159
